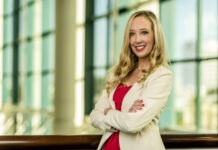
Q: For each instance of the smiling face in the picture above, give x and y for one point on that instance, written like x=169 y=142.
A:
x=141 y=37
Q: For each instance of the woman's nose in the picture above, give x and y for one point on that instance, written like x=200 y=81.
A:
x=138 y=38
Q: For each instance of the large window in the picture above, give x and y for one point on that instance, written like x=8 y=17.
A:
x=192 y=40
x=27 y=53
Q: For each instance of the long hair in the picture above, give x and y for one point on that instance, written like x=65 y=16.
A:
x=128 y=60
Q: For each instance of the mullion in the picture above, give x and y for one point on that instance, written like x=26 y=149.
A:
x=15 y=77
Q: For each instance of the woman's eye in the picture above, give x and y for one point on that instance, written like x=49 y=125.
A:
x=144 y=32
x=131 y=34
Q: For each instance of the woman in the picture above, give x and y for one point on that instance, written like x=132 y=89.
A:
x=137 y=89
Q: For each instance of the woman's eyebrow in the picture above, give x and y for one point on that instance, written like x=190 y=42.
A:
x=139 y=29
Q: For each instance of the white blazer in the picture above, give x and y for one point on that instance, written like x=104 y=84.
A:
x=138 y=130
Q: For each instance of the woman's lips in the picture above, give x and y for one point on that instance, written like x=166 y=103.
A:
x=139 y=48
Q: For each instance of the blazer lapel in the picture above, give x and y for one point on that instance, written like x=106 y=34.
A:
x=131 y=96
x=111 y=98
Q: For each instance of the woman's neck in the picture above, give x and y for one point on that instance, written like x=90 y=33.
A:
x=143 y=64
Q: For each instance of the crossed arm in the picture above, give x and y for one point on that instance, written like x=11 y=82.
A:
x=138 y=116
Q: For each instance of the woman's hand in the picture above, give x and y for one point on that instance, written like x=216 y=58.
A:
x=137 y=105
x=112 y=129
x=107 y=110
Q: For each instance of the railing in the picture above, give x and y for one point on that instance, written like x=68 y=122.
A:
x=17 y=120
x=90 y=142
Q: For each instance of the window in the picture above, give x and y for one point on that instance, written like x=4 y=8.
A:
x=28 y=65
x=192 y=43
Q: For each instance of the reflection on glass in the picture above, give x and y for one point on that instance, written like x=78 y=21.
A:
x=121 y=23
x=184 y=96
x=209 y=28
x=1 y=53
x=30 y=20
x=48 y=15
x=47 y=92
x=100 y=42
x=7 y=75
x=101 y=7
x=99 y=82
x=111 y=41
x=126 y=3
x=8 y=6
x=180 y=28
x=209 y=94
x=185 y=29
x=152 y=5
x=7 y=27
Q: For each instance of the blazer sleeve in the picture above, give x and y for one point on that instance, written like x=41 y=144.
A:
x=155 y=97
x=97 y=115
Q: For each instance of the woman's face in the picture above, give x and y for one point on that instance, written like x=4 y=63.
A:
x=141 y=37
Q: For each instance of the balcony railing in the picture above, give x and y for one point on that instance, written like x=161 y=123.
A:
x=90 y=142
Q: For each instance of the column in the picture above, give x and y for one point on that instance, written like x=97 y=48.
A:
x=64 y=102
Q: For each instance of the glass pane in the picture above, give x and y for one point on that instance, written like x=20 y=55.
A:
x=7 y=89
x=22 y=23
x=126 y=3
x=36 y=53
x=184 y=96
x=101 y=7
x=129 y=3
x=25 y=2
x=209 y=94
x=99 y=82
x=48 y=53
x=1 y=55
x=121 y=24
x=185 y=29
x=111 y=42
x=8 y=30
x=152 y=5
x=47 y=91
x=100 y=42
x=168 y=21
x=28 y=91
x=22 y=2
x=8 y=6
x=209 y=28
x=22 y=59
x=29 y=57
x=48 y=15
x=180 y=28
x=22 y=70
x=7 y=60
x=112 y=4
x=30 y=20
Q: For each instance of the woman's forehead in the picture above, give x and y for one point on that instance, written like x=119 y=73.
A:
x=140 y=23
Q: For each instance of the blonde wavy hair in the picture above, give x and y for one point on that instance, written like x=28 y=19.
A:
x=128 y=60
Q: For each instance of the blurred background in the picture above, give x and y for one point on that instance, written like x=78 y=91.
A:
x=54 y=56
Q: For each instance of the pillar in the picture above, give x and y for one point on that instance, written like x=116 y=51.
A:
x=64 y=102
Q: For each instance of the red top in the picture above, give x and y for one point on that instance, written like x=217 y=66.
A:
x=113 y=142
